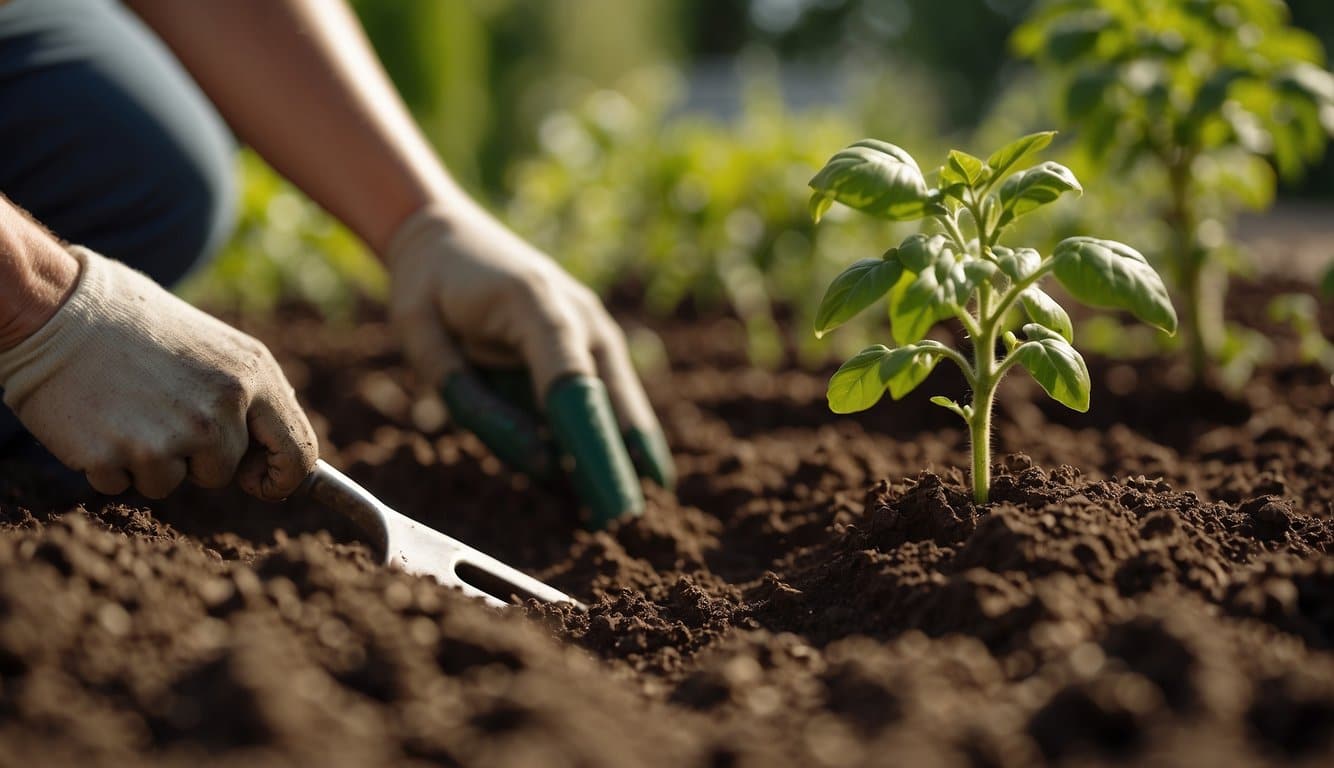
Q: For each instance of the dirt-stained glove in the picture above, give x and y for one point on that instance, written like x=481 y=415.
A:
x=526 y=357
x=133 y=386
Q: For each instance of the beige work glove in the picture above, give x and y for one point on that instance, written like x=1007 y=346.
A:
x=474 y=304
x=133 y=386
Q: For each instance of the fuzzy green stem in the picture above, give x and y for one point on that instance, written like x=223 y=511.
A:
x=962 y=362
x=979 y=423
x=1011 y=295
x=952 y=229
x=975 y=210
x=984 y=392
x=979 y=434
x=968 y=322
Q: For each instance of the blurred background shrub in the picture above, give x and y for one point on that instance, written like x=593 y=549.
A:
x=1197 y=103
x=285 y=248
x=691 y=210
x=660 y=148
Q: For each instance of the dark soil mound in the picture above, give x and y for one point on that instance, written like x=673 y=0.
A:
x=1152 y=582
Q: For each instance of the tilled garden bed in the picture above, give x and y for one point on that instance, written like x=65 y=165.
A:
x=1151 y=583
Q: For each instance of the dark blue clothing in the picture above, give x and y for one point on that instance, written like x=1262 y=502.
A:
x=108 y=142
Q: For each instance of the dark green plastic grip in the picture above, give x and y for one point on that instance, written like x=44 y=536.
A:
x=585 y=429
x=651 y=456
x=578 y=430
x=513 y=435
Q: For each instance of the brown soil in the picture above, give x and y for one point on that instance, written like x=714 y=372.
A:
x=1152 y=583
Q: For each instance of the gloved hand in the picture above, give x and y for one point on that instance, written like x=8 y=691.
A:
x=131 y=385
x=469 y=297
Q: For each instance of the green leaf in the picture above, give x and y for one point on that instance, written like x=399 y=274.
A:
x=1293 y=306
x=1055 y=365
x=918 y=251
x=860 y=286
x=934 y=284
x=1213 y=93
x=965 y=168
x=860 y=382
x=1043 y=309
x=1017 y=263
x=877 y=178
x=857 y=384
x=906 y=367
x=1075 y=34
x=991 y=213
x=1087 y=91
x=955 y=190
x=1248 y=179
x=1100 y=140
x=1005 y=158
x=1034 y=188
x=949 y=405
x=975 y=273
x=1105 y=273
x=1309 y=80
x=819 y=205
x=917 y=303
x=1249 y=131
x=911 y=315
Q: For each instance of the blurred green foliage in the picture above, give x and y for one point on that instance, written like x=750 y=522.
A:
x=1195 y=99
x=479 y=74
x=1301 y=312
x=694 y=210
x=513 y=93
x=284 y=248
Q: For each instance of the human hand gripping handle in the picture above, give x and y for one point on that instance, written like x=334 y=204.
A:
x=135 y=387
x=474 y=305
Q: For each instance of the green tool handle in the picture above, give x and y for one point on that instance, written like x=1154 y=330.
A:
x=579 y=411
x=579 y=434
x=512 y=434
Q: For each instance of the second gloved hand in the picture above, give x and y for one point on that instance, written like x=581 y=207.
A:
x=468 y=294
x=133 y=386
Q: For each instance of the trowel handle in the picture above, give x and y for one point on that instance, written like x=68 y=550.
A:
x=333 y=490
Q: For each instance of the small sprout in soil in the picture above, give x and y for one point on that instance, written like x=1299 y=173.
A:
x=1204 y=96
x=957 y=268
x=1301 y=312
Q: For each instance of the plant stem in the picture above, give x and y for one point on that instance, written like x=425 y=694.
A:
x=984 y=391
x=952 y=229
x=979 y=434
x=1192 y=293
x=1203 y=318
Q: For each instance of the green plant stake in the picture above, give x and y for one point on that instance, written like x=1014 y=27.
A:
x=1203 y=95
x=957 y=268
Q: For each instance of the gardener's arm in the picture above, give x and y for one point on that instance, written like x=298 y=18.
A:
x=132 y=386
x=36 y=276
x=297 y=80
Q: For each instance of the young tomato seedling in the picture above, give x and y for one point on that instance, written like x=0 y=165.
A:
x=957 y=268
x=1202 y=95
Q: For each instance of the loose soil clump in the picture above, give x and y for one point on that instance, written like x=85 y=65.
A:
x=1151 y=583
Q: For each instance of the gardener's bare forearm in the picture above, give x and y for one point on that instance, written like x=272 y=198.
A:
x=36 y=275
x=297 y=80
